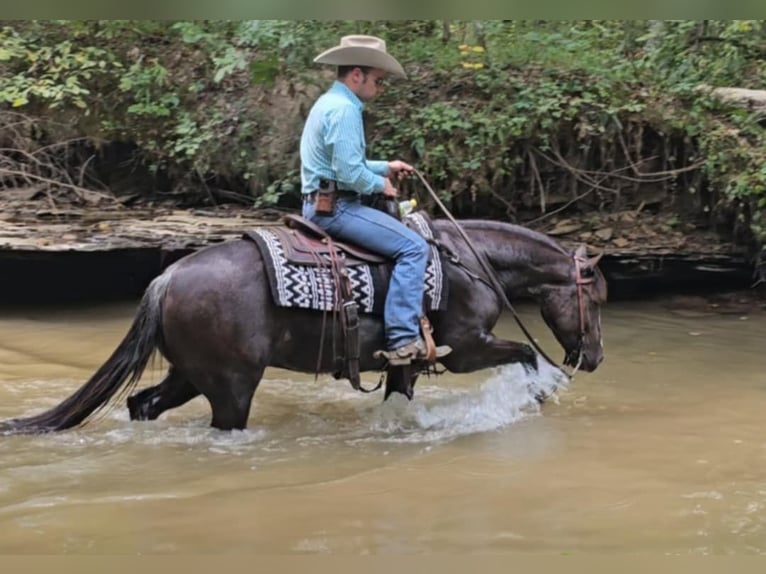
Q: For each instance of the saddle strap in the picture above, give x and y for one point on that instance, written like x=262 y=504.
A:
x=351 y=316
x=349 y=321
x=425 y=327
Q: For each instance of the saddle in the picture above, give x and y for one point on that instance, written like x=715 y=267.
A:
x=305 y=243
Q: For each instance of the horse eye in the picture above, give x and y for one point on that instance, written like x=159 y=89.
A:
x=587 y=272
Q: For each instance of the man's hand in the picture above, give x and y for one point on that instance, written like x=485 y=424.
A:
x=399 y=169
x=389 y=190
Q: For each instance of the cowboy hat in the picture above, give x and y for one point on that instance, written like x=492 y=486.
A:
x=358 y=50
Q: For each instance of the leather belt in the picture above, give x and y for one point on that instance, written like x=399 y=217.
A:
x=339 y=193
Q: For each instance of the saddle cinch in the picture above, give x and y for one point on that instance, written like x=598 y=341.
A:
x=305 y=243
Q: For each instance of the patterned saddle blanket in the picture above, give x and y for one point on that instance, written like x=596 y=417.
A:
x=301 y=276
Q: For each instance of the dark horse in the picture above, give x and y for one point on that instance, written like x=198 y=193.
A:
x=212 y=316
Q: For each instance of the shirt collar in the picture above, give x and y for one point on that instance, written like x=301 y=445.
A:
x=341 y=88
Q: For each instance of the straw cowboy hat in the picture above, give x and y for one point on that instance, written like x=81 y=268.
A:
x=358 y=50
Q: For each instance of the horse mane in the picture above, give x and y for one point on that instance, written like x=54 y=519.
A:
x=600 y=285
x=524 y=232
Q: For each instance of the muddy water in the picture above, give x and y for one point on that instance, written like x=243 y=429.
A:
x=662 y=450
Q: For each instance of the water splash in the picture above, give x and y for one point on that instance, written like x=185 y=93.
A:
x=326 y=414
x=507 y=396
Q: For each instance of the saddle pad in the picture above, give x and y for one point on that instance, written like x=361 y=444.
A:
x=310 y=287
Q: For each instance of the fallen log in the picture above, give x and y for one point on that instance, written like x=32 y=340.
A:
x=742 y=97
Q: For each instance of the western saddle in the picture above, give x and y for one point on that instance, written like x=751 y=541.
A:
x=305 y=243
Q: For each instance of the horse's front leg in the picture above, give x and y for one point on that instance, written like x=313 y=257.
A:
x=401 y=379
x=486 y=351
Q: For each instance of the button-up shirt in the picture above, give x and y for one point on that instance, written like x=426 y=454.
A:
x=333 y=145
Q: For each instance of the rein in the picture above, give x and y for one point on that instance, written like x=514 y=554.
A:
x=494 y=282
x=580 y=281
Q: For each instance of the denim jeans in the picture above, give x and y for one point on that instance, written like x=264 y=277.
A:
x=381 y=233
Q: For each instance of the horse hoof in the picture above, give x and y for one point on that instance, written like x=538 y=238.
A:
x=137 y=410
x=530 y=368
x=409 y=393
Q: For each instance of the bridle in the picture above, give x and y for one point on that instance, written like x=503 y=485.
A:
x=579 y=282
x=492 y=280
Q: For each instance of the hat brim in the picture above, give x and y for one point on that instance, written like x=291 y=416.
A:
x=361 y=56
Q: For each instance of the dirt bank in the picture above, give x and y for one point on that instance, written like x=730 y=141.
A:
x=54 y=249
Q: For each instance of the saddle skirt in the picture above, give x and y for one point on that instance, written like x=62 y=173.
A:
x=299 y=268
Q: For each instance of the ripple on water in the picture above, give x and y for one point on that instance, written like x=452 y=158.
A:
x=312 y=414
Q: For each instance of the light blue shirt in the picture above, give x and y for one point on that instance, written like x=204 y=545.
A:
x=333 y=145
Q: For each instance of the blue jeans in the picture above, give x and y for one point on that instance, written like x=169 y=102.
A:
x=381 y=233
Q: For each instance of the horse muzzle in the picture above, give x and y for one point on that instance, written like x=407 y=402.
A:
x=572 y=358
x=579 y=359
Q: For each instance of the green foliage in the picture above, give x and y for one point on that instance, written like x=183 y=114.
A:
x=57 y=74
x=288 y=184
x=147 y=83
x=539 y=79
x=223 y=99
x=723 y=53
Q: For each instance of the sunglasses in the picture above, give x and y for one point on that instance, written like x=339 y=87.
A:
x=379 y=82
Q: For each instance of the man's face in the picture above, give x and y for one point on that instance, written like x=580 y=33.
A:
x=370 y=84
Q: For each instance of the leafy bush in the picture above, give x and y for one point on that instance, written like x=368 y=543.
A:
x=504 y=117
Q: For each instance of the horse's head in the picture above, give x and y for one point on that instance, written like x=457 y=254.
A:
x=572 y=311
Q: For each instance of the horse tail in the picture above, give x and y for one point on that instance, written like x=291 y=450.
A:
x=125 y=366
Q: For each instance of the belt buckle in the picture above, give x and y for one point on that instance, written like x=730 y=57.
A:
x=328 y=184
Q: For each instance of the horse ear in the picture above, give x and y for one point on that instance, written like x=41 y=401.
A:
x=593 y=261
x=581 y=252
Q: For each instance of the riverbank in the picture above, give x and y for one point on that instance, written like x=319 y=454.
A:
x=62 y=252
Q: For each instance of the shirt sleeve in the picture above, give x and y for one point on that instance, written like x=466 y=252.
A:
x=345 y=139
x=379 y=167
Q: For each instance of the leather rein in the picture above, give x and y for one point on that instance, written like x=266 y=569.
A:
x=492 y=280
x=580 y=281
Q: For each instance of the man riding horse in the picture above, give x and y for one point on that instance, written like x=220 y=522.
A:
x=213 y=315
x=335 y=174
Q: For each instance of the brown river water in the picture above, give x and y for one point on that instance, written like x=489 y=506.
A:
x=662 y=450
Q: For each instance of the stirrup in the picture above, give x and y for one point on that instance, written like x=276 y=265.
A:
x=395 y=360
